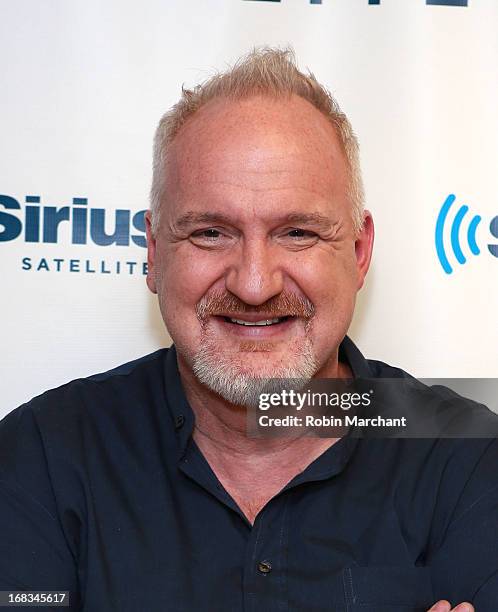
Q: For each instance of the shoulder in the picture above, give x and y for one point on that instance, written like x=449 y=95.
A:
x=60 y=421
x=457 y=455
x=380 y=369
x=113 y=389
x=433 y=407
x=133 y=376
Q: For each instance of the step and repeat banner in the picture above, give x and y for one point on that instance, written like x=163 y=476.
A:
x=84 y=84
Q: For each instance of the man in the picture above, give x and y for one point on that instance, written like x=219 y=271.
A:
x=139 y=489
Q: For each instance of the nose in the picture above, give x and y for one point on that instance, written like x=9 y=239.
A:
x=254 y=275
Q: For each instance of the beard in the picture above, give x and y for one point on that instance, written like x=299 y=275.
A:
x=230 y=373
x=231 y=376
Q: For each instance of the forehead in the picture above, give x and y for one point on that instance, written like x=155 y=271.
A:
x=255 y=153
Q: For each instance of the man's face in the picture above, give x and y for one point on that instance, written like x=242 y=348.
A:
x=255 y=260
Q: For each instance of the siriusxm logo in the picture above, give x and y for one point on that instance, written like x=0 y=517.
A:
x=456 y=232
x=41 y=223
x=75 y=224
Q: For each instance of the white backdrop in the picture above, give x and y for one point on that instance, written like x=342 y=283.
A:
x=84 y=84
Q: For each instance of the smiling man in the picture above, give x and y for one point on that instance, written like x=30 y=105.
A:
x=258 y=257
x=139 y=489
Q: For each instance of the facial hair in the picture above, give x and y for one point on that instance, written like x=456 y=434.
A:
x=226 y=372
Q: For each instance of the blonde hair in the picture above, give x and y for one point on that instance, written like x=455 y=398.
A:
x=264 y=71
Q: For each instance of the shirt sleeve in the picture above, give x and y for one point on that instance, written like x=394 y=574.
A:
x=34 y=553
x=465 y=566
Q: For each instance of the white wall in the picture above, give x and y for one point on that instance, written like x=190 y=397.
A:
x=84 y=84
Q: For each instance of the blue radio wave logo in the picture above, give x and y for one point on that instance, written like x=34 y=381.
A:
x=455 y=234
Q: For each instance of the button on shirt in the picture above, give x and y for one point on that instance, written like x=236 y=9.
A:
x=104 y=493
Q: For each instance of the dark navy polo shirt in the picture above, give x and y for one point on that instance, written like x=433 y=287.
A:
x=104 y=493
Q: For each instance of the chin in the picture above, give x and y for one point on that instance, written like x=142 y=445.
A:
x=240 y=376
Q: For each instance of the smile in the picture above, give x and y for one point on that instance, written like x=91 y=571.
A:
x=261 y=323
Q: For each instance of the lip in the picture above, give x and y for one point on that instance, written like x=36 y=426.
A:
x=257 y=331
x=250 y=317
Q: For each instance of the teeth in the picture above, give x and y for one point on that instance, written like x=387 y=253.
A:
x=252 y=323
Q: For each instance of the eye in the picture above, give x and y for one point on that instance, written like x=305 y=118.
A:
x=210 y=237
x=297 y=238
x=208 y=234
x=300 y=236
x=300 y=233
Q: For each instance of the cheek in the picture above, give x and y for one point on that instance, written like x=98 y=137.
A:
x=186 y=276
x=330 y=283
x=329 y=277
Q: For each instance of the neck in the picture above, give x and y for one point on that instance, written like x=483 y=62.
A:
x=252 y=470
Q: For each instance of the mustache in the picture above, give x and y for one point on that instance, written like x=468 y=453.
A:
x=281 y=305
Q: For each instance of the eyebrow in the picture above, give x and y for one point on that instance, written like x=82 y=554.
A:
x=191 y=218
x=315 y=219
x=311 y=219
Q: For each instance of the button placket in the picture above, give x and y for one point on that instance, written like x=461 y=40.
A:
x=264 y=568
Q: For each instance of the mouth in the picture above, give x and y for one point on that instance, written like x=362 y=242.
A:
x=256 y=326
x=257 y=323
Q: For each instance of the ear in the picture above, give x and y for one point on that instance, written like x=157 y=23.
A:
x=151 y=253
x=363 y=247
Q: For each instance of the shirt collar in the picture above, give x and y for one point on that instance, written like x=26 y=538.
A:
x=349 y=353
x=183 y=417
